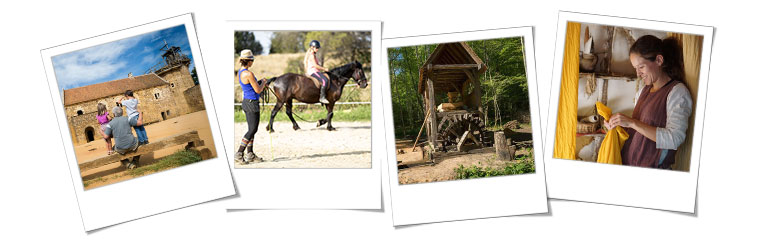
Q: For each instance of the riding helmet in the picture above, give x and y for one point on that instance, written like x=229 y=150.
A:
x=315 y=43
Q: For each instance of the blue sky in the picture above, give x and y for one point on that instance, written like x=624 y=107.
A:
x=264 y=39
x=114 y=60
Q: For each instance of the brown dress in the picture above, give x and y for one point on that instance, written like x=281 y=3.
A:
x=650 y=109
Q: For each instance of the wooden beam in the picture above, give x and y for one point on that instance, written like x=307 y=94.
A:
x=191 y=138
x=432 y=101
x=456 y=66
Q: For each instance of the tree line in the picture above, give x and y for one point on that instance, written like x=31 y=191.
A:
x=505 y=95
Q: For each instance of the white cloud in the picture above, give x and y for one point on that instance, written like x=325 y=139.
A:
x=86 y=65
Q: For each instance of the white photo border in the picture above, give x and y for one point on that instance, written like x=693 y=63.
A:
x=310 y=188
x=147 y=195
x=458 y=200
x=622 y=185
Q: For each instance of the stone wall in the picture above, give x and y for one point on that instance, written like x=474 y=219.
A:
x=194 y=99
x=181 y=96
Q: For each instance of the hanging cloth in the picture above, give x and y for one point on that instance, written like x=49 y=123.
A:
x=609 y=152
x=566 y=120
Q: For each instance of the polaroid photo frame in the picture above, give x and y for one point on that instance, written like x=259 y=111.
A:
x=155 y=193
x=459 y=199
x=308 y=188
x=624 y=185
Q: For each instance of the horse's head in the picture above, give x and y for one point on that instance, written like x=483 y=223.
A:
x=351 y=70
x=359 y=75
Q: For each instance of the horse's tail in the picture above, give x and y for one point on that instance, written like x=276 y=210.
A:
x=272 y=79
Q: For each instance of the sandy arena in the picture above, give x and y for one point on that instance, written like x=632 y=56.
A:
x=310 y=147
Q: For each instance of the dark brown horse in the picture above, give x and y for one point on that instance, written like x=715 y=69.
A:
x=294 y=86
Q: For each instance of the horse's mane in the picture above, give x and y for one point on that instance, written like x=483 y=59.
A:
x=345 y=69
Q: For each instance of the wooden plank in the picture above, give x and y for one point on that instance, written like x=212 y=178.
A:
x=456 y=66
x=462 y=140
x=424 y=122
x=433 y=125
x=191 y=138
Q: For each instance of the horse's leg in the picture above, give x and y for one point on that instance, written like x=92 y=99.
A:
x=291 y=117
x=277 y=108
x=329 y=115
x=321 y=121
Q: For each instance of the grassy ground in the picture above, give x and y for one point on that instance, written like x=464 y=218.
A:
x=521 y=165
x=180 y=158
x=346 y=113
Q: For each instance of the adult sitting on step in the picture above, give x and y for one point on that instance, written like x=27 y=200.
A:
x=120 y=130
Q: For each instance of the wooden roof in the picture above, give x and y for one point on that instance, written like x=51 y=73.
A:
x=448 y=65
x=111 y=88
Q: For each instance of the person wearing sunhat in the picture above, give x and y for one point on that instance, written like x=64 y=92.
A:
x=251 y=88
x=315 y=70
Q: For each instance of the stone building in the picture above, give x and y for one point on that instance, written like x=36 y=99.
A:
x=163 y=94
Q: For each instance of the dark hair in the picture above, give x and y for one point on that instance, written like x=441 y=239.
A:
x=245 y=62
x=129 y=93
x=649 y=47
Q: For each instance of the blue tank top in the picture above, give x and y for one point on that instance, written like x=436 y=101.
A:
x=248 y=90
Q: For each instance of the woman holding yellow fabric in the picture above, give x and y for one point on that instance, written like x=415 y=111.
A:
x=660 y=118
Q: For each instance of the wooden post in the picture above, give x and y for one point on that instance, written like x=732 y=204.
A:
x=432 y=118
x=502 y=148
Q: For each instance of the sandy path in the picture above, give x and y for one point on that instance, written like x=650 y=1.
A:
x=311 y=147
x=114 y=172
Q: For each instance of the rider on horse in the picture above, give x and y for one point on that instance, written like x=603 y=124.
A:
x=315 y=70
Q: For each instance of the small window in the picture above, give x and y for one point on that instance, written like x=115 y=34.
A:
x=172 y=84
x=80 y=112
x=157 y=95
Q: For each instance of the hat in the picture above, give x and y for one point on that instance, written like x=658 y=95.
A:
x=246 y=54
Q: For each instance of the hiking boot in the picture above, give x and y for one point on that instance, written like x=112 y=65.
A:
x=250 y=156
x=239 y=157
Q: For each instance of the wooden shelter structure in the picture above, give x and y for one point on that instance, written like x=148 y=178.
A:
x=452 y=69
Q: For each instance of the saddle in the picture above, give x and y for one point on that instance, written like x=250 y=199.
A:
x=317 y=82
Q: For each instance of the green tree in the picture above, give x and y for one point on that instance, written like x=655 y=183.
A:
x=287 y=42
x=194 y=75
x=246 y=40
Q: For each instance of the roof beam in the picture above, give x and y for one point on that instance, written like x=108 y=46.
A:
x=456 y=66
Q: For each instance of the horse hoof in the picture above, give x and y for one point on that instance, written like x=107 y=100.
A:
x=272 y=131
x=296 y=128
x=331 y=129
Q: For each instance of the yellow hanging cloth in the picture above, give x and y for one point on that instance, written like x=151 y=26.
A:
x=609 y=152
x=566 y=122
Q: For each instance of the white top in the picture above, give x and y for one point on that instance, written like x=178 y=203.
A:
x=678 y=110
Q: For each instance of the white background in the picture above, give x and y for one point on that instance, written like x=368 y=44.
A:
x=38 y=200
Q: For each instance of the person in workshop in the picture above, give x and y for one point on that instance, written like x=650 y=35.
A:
x=251 y=89
x=315 y=70
x=659 y=122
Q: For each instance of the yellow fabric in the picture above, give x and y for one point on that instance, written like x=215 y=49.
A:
x=609 y=152
x=692 y=45
x=566 y=120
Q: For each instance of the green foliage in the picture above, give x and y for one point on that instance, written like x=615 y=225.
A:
x=194 y=75
x=343 y=113
x=287 y=42
x=504 y=89
x=246 y=40
x=474 y=171
x=348 y=46
x=179 y=158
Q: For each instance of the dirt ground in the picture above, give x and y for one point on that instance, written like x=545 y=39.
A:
x=114 y=172
x=413 y=169
x=310 y=147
